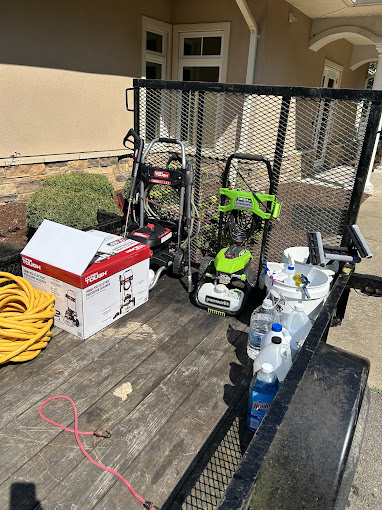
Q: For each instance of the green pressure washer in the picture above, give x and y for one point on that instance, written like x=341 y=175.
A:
x=225 y=281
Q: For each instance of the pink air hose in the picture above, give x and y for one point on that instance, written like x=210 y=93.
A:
x=147 y=504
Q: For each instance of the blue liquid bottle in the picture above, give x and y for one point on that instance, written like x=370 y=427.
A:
x=262 y=390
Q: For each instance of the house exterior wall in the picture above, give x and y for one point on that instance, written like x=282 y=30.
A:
x=64 y=68
x=284 y=57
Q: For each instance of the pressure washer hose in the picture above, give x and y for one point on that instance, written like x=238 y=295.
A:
x=26 y=316
x=147 y=504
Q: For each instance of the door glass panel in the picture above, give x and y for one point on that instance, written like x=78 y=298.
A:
x=154 y=42
x=212 y=45
x=153 y=71
x=201 y=73
x=331 y=83
x=192 y=46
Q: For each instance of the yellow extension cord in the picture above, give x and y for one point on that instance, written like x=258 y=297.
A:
x=26 y=316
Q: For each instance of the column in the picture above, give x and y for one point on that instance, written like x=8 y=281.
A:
x=377 y=85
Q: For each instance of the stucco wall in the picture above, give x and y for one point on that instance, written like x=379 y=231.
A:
x=64 y=68
x=284 y=57
x=63 y=73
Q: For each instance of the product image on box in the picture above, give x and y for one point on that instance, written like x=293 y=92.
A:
x=71 y=312
x=126 y=290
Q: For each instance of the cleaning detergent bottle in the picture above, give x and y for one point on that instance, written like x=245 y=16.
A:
x=278 y=354
x=290 y=272
x=298 y=324
x=262 y=319
x=277 y=330
x=262 y=390
x=294 y=348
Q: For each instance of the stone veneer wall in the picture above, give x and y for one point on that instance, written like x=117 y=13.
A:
x=19 y=182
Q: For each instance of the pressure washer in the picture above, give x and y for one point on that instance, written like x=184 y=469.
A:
x=126 y=292
x=225 y=281
x=169 y=239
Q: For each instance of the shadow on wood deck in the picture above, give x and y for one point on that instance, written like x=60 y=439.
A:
x=189 y=374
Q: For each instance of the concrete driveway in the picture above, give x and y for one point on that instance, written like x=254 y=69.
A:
x=360 y=333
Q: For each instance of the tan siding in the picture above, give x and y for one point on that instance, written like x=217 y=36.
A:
x=63 y=73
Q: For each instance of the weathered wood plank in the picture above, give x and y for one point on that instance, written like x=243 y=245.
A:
x=21 y=396
x=61 y=343
x=168 y=356
x=13 y=374
x=138 y=429
x=178 y=445
x=99 y=376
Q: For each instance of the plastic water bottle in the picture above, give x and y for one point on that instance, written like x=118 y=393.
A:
x=298 y=324
x=278 y=354
x=262 y=390
x=262 y=319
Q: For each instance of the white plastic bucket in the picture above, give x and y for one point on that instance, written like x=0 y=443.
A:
x=301 y=254
x=318 y=288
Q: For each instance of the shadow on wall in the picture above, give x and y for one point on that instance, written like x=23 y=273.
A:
x=87 y=36
x=23 y=497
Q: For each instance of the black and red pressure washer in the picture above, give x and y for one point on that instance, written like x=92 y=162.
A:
x=146 y=221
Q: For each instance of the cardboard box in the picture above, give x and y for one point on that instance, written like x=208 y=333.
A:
x=96 y=277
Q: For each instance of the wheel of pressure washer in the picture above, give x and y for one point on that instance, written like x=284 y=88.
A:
x=179 y=263
x=203 y=266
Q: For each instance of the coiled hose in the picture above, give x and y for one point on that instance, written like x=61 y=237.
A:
x=26 y=316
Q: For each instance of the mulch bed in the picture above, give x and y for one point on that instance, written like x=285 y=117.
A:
x=13 y=223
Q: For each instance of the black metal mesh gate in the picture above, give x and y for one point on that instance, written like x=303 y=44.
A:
x=319 y=142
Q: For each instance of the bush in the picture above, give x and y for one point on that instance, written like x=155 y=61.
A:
x=71 y=200
x=76 y=182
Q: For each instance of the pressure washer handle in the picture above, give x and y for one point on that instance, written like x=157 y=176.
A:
x=137 y=140
x=168 y=140
x=174 y=141
x=247 y=157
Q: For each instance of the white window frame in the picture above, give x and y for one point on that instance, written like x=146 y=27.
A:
x=164 y=58
x=329 y=65
x=180 y=32
x=336 y=70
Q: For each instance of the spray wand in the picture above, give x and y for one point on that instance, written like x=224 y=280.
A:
x=138 y=149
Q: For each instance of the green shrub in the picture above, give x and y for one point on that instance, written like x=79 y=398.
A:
x=71 y=200
x=75 y=182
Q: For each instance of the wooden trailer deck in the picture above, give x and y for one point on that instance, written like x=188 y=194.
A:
x=162 y=379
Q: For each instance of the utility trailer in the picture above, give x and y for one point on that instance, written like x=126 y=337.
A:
x=178 y=430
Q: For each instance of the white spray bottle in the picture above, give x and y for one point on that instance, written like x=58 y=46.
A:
x=290 y=272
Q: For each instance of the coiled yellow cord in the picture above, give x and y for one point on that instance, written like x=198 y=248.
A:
x=26 y=316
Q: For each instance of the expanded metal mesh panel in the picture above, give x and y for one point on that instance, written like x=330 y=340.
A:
x=313 y=144
x=212 y=482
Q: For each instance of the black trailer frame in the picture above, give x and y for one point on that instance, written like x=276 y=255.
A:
x=273 y=472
